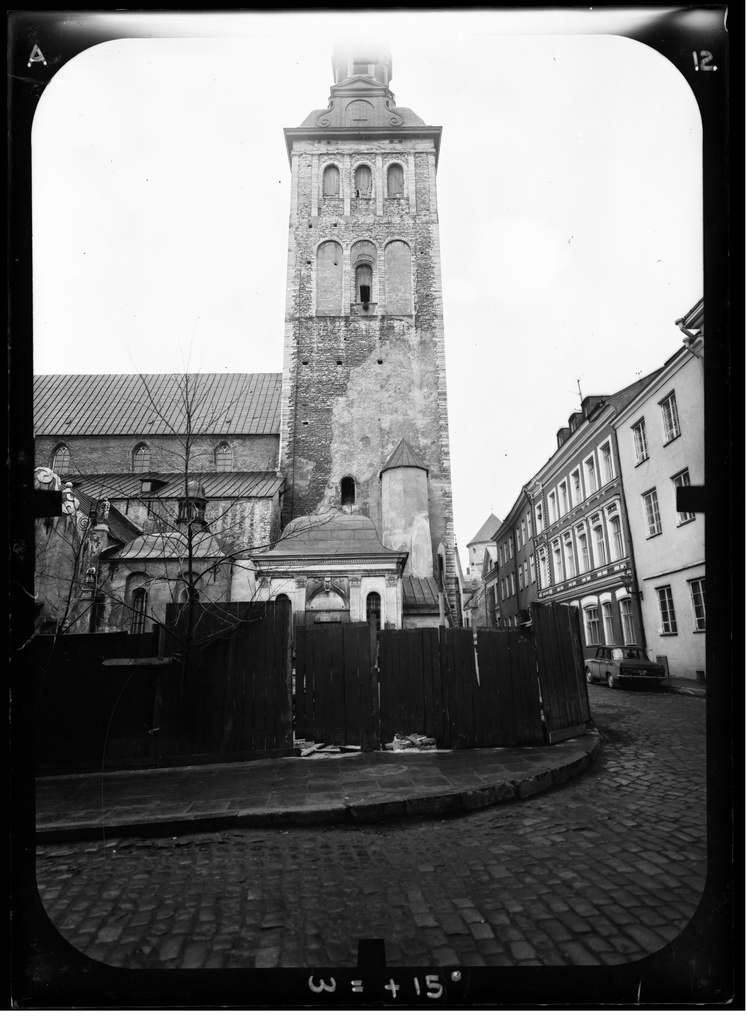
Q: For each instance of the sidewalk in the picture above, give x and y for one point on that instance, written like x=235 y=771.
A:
x=346 y=788
x=691 y=687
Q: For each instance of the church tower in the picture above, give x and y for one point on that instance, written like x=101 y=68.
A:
x=364 y=363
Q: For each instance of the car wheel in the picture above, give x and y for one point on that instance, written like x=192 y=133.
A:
x=611 y=682
x=589 y=676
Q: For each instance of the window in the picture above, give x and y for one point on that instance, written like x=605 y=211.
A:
x=513 y=584
x=591 y=621
x=347 y=491
x=583 y=551
x=651 y=509
x=600 y=548
x=607 y=468
x=141 y=459
x=526 y=574
x=697 y=593
x=503 y=590
x=529 y=525
x=626 y=618
x=639 y=440
x=521 y=577
x=563 y=497
x=363 y=181
x=518 y=540
x=331 y=182
x=139 y=609
x=670 y=417
x=682 y=480
x=570 y=558
x=532 y=570
x=61 y=461
x=373 y=607
x=609 y=636
x=578 y=494
x=223 y=458
x=557 y=558
x=538 y=516
x=543 y=569
x=363 y=283
x=590 y=470
x=666 y=611
x=500 y=556
x=552 y=507
x=510 y=547
x=618 y=549
x=523 y=533
x=395 y=181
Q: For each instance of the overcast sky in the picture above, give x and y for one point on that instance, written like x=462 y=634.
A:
x=569 y=192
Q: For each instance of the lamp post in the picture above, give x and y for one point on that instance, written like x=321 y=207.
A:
x=628 y=583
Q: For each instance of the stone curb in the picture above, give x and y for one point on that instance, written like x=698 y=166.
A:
x=337 y=813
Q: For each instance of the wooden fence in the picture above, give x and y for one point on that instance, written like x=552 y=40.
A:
x=504 y=687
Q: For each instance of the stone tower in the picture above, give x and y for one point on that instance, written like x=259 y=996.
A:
x=364 y=364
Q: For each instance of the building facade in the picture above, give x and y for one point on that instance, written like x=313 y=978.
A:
x=516 y=578
x=364 y=364
x=661 y=449
x=582 y=538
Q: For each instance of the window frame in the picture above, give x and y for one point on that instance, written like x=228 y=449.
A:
x=651 y=513
x=682 y=517
x=591 y=625
x=667 y=614
x=640 y=440
x=590 y=474
x=670 y=417
x=700 y=583
x=627 y=620
x=63 y=470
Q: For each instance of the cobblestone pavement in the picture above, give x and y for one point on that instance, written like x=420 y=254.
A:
x=604 y=870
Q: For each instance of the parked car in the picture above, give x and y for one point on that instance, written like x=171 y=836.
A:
x=618 y=666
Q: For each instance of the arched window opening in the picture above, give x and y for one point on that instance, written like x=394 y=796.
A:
x=398 y=270
x=223 y=458
x=139 y=610
x=331 y=182
x=329 y=279
x=363 y=181
x=363 y=283
x=61 y=461
x=395 y=181
x=347 y=491
x=141 y=459
x=373 y=608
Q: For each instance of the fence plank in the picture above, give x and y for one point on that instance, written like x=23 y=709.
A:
x=352 y=717
x=299 y=697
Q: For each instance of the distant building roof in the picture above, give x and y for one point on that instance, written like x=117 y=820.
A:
x=171 y=546
x=403 y=455
x=67 y=405
x=215 y=485
x=486 y=531
x=334 y=533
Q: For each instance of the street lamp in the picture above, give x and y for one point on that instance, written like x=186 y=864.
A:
x=627 y=580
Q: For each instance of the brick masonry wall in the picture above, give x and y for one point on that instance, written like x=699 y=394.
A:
x=354 y=384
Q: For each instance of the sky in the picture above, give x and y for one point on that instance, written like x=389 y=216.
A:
x=569 y=190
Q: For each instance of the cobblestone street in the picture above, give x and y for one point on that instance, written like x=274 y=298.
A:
x=604 y=870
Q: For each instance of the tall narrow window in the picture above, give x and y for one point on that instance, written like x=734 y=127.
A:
x=141 y=459
x=373 y=607
x=670 y=417
x=666 y=611
x=618 y=550
x=570 y=558
x=591 y=621
x=682 y=480
x=398 y=263
x=600 y=548
x=639 y=441
x=578 y=494
x=609 y=635
x=552 y=506
x=139 y=610
x=651 y=510
x=607 y=469
x=543 y=569
x=532 y=570
x=590 y=470
x=521 y=577
x=61 y=461
x=363 y=181
x=331 y=182
x=626 y=619
x=697 y=593
x=583 y=551
x=395 y=181
x=347 y=491
x=363 y=282
x=557 y=558
x=563 y=497
x=223 y=458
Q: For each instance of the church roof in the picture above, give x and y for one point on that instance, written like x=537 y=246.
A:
x=419 y=595
x=215 y=485
x=171 y=546
x=333 y=533
x=68 y=405
x=486 y=531
x=403 y=455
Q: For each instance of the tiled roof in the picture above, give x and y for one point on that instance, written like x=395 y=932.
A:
x=335 y=533
x=419 y=594
x=486 y=531
x=403 y=455
x=216 y=485
x=68 y=405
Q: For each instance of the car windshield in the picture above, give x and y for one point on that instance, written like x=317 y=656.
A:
x=621 y=653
